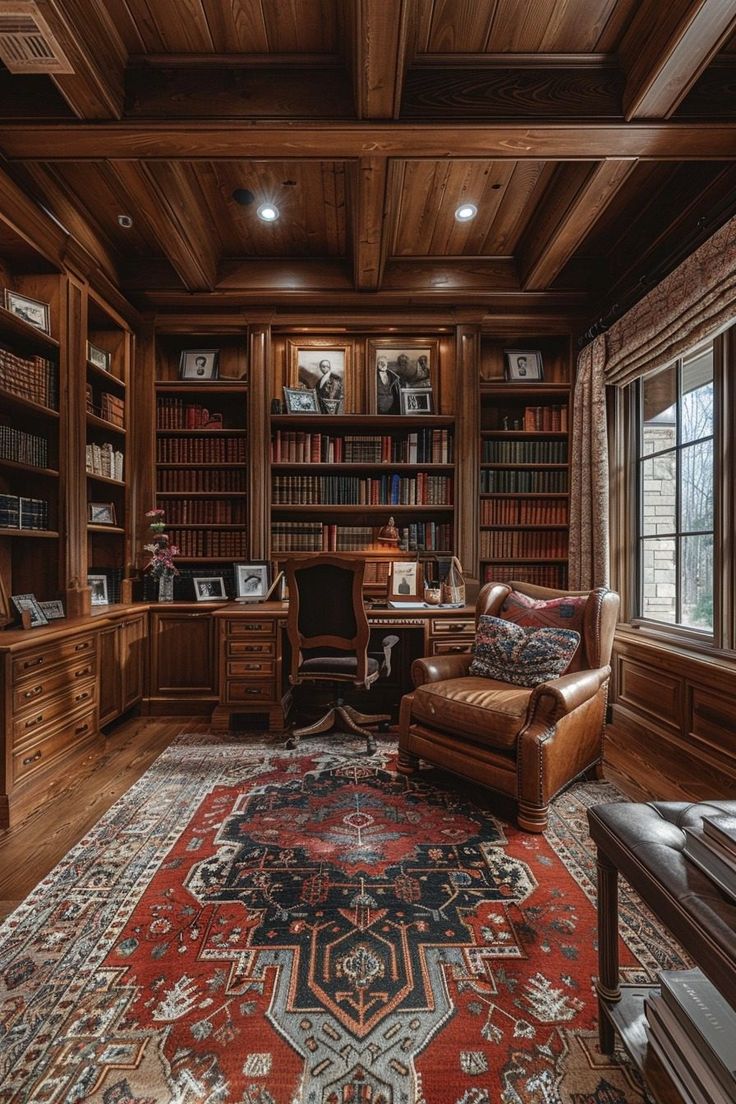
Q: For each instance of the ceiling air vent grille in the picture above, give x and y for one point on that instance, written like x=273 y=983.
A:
x=27 y=44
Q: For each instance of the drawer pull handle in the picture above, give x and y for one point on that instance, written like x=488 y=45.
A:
x=82 y=697
x=459 y=648
x=34 y=720
x=33 y=693
x=82 y=647
x=253 y=666
x=82 y=672
x=252 y=626
x=32 y=759
x=452 y=626
x=254 y=692
x=250 y=648
x=33 y=662
x=80 y=728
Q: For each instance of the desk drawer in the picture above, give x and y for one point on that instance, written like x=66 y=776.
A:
x=25 y=727
x=242 y=691
x=30 y=663
x=30 y=759
x=453 y=627
x=31 y=695
x=251 y=648
x=252 y=626
x=252 y=668
x=451 y=647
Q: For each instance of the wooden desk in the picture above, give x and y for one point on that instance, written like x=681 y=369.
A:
x=253 y=678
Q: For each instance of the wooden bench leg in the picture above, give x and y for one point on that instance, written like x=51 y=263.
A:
x=607 y=985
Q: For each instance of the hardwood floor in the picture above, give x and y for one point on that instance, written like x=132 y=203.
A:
x=31 y=849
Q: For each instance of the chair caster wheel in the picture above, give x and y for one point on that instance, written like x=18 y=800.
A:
x=292 y=742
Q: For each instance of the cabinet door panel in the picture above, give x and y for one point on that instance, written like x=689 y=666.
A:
x=132 y=655
x=183 y=657
x=110 y=699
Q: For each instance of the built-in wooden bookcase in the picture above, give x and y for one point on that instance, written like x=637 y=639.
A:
x=107 y=456
x=337 y=478
x=524 y=465
x=32 y=426
x=201 y=450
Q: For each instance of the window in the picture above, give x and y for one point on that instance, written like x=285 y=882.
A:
x=676 y=493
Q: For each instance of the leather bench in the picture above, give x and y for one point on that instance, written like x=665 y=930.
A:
x=644 y=843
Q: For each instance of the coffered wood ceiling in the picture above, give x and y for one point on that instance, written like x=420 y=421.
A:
x=597 y=139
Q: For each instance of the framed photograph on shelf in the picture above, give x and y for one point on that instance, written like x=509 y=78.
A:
x=30 y=310
x=101 y=513
x=99 y=357
x=27 y=602
x=210 y=589
x=393 y=368
x=252 y=580
x=523 y=364
x=299 y=401
x=324 y=367
x=198 y=364
x=415 y=400
x=53 y=611
x=98 y=586
x=405 y=583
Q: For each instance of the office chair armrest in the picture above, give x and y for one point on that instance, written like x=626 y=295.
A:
x=436 y=668
x=559 y=697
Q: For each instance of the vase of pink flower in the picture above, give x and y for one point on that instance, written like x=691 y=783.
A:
x=161 y=564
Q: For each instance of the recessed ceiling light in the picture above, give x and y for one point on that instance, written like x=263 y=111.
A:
x=268 y=212
x=125 y=221
x=466 y=212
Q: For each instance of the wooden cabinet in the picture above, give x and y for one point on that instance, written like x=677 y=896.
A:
x=122 y=657
x=182 y=661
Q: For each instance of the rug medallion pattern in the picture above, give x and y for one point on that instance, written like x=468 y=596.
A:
x=255 y=926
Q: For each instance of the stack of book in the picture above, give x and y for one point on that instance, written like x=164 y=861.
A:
x=713 y=848
x=692 y=1030
x=28 y=377
x=23 y=513
x=546 y=575
x=23 y=448
x=105 y=460
x=540 y=419
x=112 y=409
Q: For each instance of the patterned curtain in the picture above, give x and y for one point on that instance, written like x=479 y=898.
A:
x=694 y=302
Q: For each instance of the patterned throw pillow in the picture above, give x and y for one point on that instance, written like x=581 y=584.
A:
x=552 y=613
x=525 y=657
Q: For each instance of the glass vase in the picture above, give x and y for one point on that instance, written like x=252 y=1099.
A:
x=166 y=588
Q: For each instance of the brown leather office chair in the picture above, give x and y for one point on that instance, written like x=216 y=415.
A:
x=525 y=743
x=329 y=635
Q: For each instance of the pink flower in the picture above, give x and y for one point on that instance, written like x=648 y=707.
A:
x=154 y=513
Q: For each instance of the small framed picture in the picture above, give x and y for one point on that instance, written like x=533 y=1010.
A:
x=210 y=589
x=415 y=400
x=299 y=401
x=30 y=310
x=252 y=580
x=101 y=513
x=405 y=581
x=23 y=602
x=397 y=367
x=324 y=367
x=523 y=364
x=99 y=357
x=98 y=586
x=198 y=364
x=53 y=611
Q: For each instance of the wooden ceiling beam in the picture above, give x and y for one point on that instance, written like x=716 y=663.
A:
x=372 y=220
x=576 y=198
x=208 y=140
x=163 y=196
x=666 y=48
x=382 y=37
x=97 y=54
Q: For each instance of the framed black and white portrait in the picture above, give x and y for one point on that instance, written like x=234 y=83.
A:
x=53 y=611
x=211 y=589
x=323 y=367
x=523 y=364
x=101 y=513
x=252 y=580
x=405 y=582
x=28 y=602
x=198 y=364
x=98 y=586
x=30 y=310
x=415 y=400
x=394 y=368
x=298 y=401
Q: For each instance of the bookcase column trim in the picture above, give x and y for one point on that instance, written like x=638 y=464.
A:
x=467 y=440
x=259 y=444
x=73 y=443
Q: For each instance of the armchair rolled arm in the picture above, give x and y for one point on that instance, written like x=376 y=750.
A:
x=555 y=699
x=436 y=668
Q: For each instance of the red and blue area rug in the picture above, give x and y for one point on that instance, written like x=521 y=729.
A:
x=258 y=926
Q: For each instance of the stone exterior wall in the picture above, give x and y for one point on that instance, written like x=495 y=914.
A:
x=659 y=579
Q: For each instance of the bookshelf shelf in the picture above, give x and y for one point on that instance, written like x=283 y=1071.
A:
x=389 y=423
x=524 y=560
x=368 y=465
x=524 y=494
x=202 y=494
x=106 y=479
x=201 y=432
x=46 y=534
x=16 y=465
x=533 y=528
x=19 y=403
x=195 y=387
x=104 y=528
x=24 y=334
x=344 y=508
x=522 y=467
x=102 y=375
x=102 y=423
x=524 y=434
x=210 y=559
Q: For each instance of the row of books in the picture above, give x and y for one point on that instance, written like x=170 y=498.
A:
x=31 y=378
x=105 y=460
x=315 y=536
x=217 y=511
x=112 y=408
x=509 y=511
x=23 y=513
x=524 y=452
x=523 y=482
x=692 y=1030
x=200 y=450
x=192 y=479
x=206 y=542
x=508 y=543
x=351 y=490
x=424 y=446
x=545 y=419
x=176 y=414
x=23 y=448
x=546 y=575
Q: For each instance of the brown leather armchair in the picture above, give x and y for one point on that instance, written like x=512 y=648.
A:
x=526 y=743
